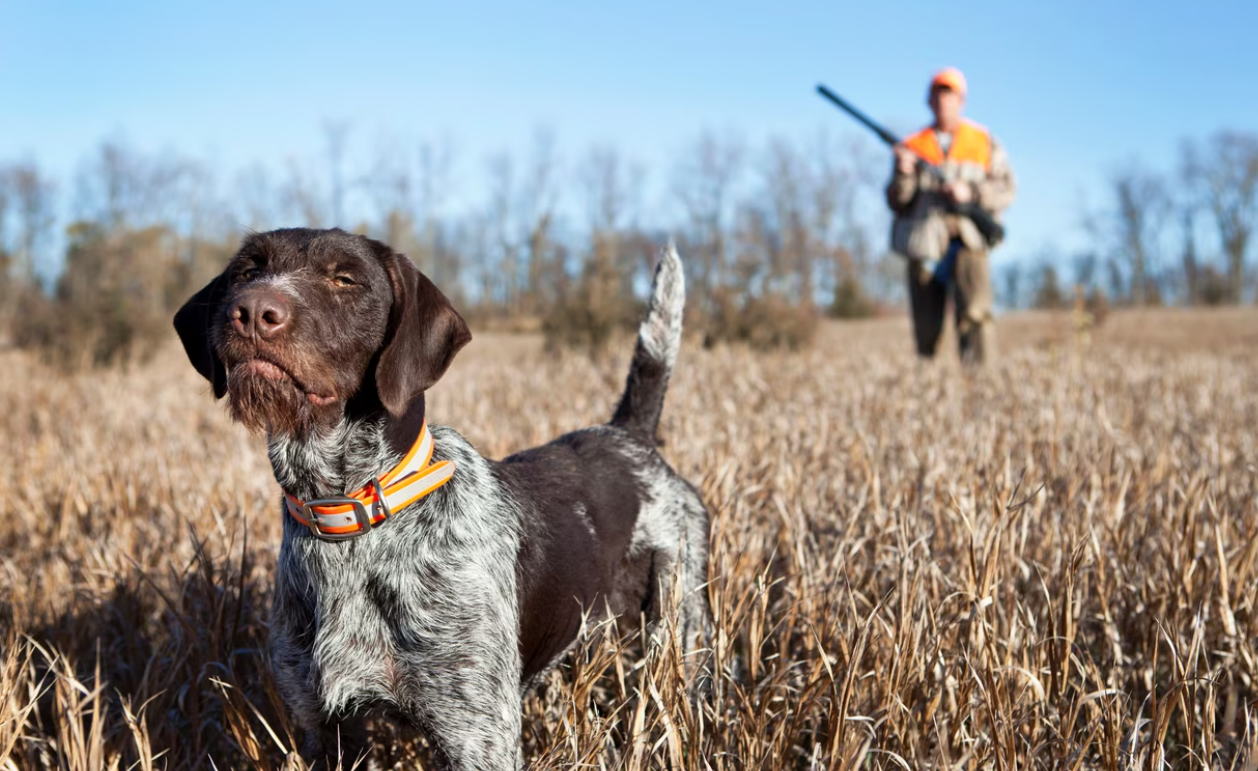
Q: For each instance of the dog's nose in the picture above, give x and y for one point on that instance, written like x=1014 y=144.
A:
x=262 y=314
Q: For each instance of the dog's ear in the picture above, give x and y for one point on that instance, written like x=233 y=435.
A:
x=425 y=331
x=193 y=323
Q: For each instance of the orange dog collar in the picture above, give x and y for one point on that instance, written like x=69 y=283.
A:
x=341 y=518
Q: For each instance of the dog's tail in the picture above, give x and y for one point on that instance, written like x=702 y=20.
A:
x=659 y=337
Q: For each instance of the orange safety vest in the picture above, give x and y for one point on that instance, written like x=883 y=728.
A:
x=970 y=144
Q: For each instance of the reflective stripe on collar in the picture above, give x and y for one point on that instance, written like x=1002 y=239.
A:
x=352 y=515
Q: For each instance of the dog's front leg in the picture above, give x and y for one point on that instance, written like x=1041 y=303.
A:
x=463 y=688
x=330 y=742
x=472 y=719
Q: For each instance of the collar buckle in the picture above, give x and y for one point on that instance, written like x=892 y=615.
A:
x=361 y=516
x=384 y=502
x=341 y=518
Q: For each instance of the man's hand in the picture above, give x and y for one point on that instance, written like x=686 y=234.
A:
x=905 y=160
x=959 y=192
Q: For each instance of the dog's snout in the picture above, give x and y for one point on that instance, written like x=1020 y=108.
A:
x=260 y=314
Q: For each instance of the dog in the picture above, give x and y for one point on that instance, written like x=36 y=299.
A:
x=417 y=580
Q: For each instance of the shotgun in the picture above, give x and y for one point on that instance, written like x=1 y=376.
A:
x=991 y=230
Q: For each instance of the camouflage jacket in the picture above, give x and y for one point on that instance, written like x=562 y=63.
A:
x=923 y=227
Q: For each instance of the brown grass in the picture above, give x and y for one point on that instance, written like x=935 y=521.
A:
x=1051 y=565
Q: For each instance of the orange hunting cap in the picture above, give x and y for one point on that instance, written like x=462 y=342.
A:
x=949 y=77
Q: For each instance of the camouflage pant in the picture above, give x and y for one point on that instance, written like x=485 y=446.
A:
x=970 y=284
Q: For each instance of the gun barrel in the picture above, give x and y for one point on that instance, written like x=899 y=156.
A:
x=865 y=120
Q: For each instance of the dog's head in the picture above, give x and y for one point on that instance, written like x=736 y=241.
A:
x=304 y=321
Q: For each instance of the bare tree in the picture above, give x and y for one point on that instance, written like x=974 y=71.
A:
x=6 y=248
x=436 y=186
x=1189 y=261
x=1222 y=173
x=120 y=188
x=1011 y=284
x=613 y=190
x=600 y=299
x=838 y=242
x=481 y=255
x=612 y=187
x=301 y=201
x=336 y=136
x=785 y=185
x=26 y=219
x=501 y=220
x=1049 y=294
x=1133 y=227
x=389 y=184
x=754 y=235
x=254 y=196
x=704 y=181
x=538 y=205
x=1086 y=265
x=26 y=222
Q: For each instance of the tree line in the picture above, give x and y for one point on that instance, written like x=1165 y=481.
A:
x=1181 y=235
x=775 y=233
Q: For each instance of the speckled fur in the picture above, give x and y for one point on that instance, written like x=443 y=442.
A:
x=418 y=618
x=444 y=615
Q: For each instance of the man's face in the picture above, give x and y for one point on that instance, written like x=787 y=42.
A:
x=946 y=104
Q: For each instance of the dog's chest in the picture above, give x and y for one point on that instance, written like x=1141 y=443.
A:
x=394 y=610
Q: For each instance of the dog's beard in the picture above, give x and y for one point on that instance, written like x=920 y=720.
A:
x=272 y=406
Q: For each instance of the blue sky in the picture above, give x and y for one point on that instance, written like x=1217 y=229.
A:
x=1073 y=89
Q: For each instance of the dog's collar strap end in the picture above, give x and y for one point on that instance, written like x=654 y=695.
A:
x=341 y=518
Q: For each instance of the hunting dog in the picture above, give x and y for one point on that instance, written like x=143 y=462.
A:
x=417 y=580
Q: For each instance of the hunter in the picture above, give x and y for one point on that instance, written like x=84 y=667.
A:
x=945 y=250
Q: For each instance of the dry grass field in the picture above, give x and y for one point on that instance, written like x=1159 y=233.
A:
x=1053 y=564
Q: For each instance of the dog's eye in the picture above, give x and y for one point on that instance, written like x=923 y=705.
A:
x=248 y=274
x=343 y=280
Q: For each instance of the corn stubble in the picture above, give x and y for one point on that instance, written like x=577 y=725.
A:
x=1051 y=565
